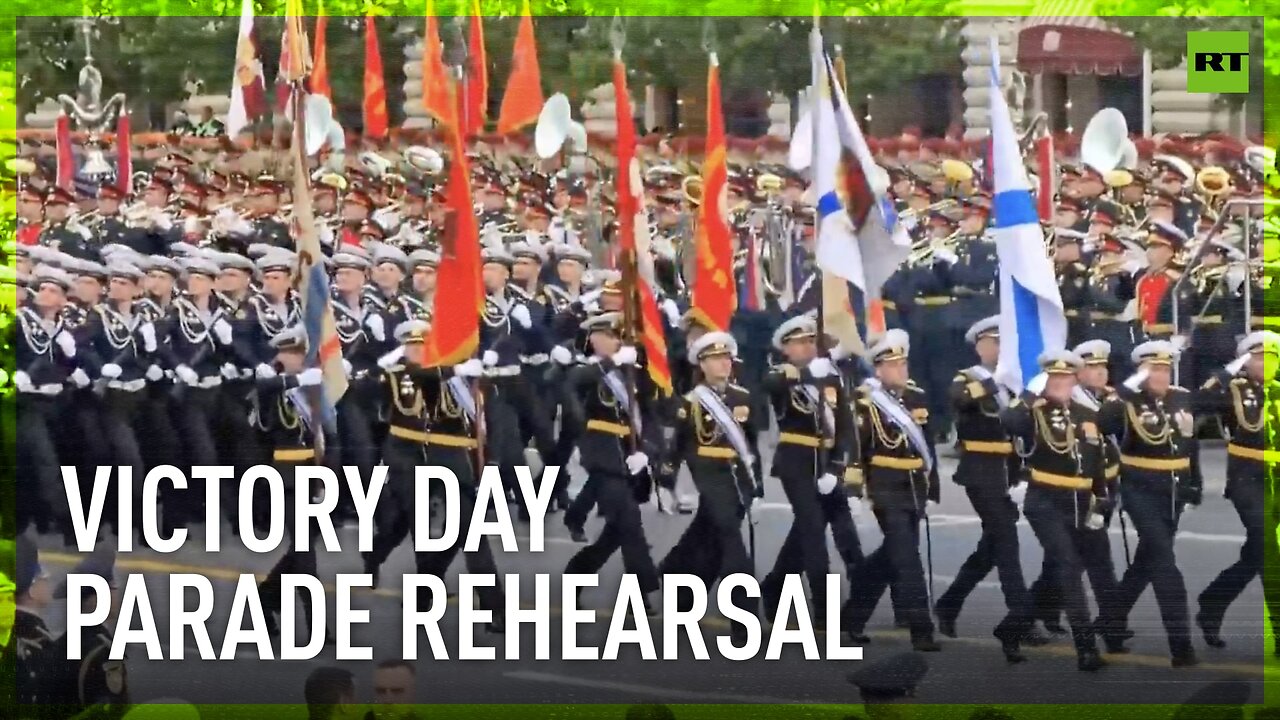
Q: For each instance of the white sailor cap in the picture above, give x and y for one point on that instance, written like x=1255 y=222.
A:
x=797 y=328
x=124 y=271
x=711 y=345
x=1094 y=352
x=1256 y=343
x=385 y=253
x=424 y=258
x=1154 y=352
x=276 y=260
x=985 y=328
x=234 y=261
x=895 y=344
x=160 y=263
x=86 y=268
x=178 y=248
x=1229 y=251
x=412 y=332
x=603 y=322
x=496 y=254
x=293 y=337
x=200 y=265
x=529 y=250
x=349 y=260
x=571 y=251
x=48 y=274
x=1060 y=362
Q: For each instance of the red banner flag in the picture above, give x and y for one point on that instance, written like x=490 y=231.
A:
x=435 y=76
x=522 y=100
x=66 y=156
x=455 y=332
x=320 y=57
x=475 y=106
x=124 y=153
x=248 y=88
x=633 y=231
x=375 y=90
x=714 y=295
x=1047 y=175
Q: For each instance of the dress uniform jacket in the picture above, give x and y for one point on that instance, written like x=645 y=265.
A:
x=1244 y=405
x=1157 y=444
x=986 y=451
x=1073 y=286
x=1110 y=290
x=705 y=446
x=813 y=422
x=894 y=468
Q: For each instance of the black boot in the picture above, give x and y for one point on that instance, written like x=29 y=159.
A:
x=946 y=620
x=1010 y=645
x=1087 y=657
x=1090 y=661
x=1210 y=630
x=1185 y=657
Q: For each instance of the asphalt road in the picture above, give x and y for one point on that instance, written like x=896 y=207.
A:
x=969 y=670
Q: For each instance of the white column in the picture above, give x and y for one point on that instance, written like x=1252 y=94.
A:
x=1147 y=109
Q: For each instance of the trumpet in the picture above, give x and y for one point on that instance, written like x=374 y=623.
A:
x=914 y=214
x=924 y=250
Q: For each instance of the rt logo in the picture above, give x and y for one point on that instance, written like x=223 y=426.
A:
x=1218 y=62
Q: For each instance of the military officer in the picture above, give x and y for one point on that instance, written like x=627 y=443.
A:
x=1073 y=278
x=1110 y=289
x=1155 y=301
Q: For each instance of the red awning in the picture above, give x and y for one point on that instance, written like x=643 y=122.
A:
x=1067 y=45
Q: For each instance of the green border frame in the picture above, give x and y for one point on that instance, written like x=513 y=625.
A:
x=690 y=8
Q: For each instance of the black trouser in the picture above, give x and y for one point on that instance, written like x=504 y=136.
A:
x=238 y=443
x=1055 y=516
x=396 y=515
x=293 y=561
x=39 y=481
x=712 y=547
x=1259 y=556
x=805 y=547
x=896 y=562
x=575 y=517
x=195 y=413
x=357 y=439
x=119 y=413
x=998 y=549
x=623 y=530
x=844 y=533
x=480 y=562
x=1095 y=553
x=1155 y=516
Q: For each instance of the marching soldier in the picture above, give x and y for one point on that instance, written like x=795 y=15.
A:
x=264 y=213
x=1073 y=278
x=1245 y=395
x=1211 y=303
x=1110 y=290
x=900 y=467
x=423 y=265
x=284 y=415
x=34 y=665
x=608 y=417
x=715 y=436
x=1159 y=475
x=60 y=231
x=94 y=679
x=276 y=307
x=806 y=394
x=1067 y=490
x=1155 y=309
x=988 y=469
x=362 y=332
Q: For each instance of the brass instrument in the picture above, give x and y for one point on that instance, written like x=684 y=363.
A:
x=914 y=215
x=1213 y=184
x=923 y=252
x=691 y=188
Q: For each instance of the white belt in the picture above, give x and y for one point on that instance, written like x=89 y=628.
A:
x=505 y=371
x=209 y=382
x=127 y=385
x=539 y=359
x=37 y=390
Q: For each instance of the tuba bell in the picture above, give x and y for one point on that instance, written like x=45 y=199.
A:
x=1105 y=144
x=691 y=188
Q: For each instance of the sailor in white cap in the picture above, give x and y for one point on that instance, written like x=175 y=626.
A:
x=572 y=261
x=813 y=425
x=1244 y=395
x=1159 y=475
x=423 y=266
x=277 y=307
x=289 y=424
x=716 y=436
x=896 y=451
x=389 y=265
x=606 y=418
x=988 y=470
x=1067 y=494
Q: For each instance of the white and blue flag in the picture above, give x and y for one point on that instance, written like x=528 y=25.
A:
x=1031 y=316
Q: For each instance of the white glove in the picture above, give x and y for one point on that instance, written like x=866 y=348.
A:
x=49 y=389
x=377 y=328
x=637 y=463
x=561 y=355
x=1179 y=342
x=591 y=306
x=148 y=333
x=222 y=329
x=520 y=314
x=1018 y=493
x=310 y=377
x=111 y=371
x=1036 y=386
x=489 y=358
x=22 y=381
x=67 y=343
x=230 y=371
x=820 y=367
x=80 y=378
x=346 y=367
x=1237 y=365
x=470 y=368
x=826 y=483
x=391 y=359
x=672 y=311
x=666 y=500
x=588 y=298
x=163 y=222
x=187 y=375
x=1133 y=266
x=1135 y=380
x=264 y=371
x=155 y=373
x=946 y=256
x=626 y=355
x=855 y=506
x=840 y=352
